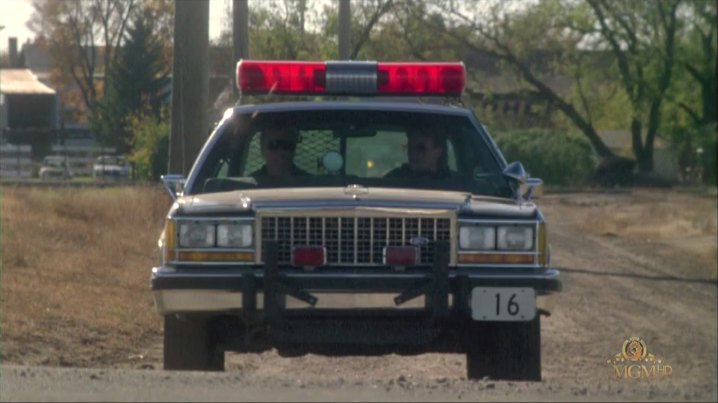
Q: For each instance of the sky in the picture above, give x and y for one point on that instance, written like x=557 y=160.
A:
x=14 y=15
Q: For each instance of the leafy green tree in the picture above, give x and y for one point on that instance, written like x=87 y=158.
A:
x=529 y=40
x=138 y=82
x=697 y=54
x=691 y=113
x=150 y=141
x=553 y=38
x=641 y=36
x=558 y=158
x=278 y=30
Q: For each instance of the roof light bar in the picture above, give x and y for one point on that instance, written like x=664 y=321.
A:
x=350 y=78
x=281 y=77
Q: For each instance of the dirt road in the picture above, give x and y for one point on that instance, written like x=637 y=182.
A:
x=635 y=263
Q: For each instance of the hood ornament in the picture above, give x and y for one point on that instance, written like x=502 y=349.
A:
x=245 y=201
x=355 y=191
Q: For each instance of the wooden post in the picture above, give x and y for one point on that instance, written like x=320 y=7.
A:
x=344 y=29
x=190 y=84
x=240 y=38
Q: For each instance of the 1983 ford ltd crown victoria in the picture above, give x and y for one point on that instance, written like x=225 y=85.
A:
x=378 y=216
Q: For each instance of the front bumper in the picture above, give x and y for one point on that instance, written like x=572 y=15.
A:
x=439 y=288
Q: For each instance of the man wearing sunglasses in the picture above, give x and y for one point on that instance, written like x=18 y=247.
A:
x=426 y=152
x=278 y=145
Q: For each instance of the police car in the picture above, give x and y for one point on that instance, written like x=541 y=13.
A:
x=396 y=226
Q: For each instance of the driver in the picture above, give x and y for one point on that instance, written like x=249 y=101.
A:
x=278 y=145
x=426 y=152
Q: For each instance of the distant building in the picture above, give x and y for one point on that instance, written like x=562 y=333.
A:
x=38 y=59
x=28 y=110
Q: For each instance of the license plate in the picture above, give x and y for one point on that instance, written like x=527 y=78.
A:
x=503 y=304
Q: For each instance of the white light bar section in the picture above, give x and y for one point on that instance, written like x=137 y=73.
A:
x=351 y=77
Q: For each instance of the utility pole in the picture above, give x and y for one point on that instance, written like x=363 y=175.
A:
x=190 y=84
x=344 y=29
x=2 y=101
x=240 y=38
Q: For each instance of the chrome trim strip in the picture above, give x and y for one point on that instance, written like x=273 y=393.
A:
x=219 y=220
x=484 y=265
x=497 y=221
x=209 y=300
x=352 y=204
x=210 y=263
x=356 y=240
x=216 y=249
x=494 y=252
x=171 y=301
x=471 y=274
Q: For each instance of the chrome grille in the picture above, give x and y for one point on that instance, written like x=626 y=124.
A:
x=353 y=240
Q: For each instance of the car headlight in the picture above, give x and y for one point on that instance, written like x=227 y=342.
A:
x=477 y=237
x=234 y=235
x=515 y=237
x=196 y=235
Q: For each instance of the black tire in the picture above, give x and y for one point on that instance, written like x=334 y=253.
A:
x=189 y=345
x=504 y=350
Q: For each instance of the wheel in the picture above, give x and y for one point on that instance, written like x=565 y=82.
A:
x=504 y=350
x=189 y=345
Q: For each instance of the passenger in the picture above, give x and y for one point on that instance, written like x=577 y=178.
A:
x=427 y=157
x=278 y=146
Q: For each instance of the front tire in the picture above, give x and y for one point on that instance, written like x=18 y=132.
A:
x=190 y=346
x=504 y=350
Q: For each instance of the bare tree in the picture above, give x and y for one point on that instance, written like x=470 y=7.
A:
x=638 y=35
x=490 y=31
x=80 y=34
x=370 y=13
x=641 y=36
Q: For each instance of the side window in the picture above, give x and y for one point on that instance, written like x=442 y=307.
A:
x=223 y=169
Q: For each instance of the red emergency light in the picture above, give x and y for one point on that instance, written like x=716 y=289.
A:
x=309 y=256
x=350 y=78
x=401 y=255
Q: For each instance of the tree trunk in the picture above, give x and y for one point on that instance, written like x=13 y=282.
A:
x=644 y=155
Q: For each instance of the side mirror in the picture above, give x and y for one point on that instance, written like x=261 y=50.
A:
x=532 y=189
x=522 y=184
x=174 y=184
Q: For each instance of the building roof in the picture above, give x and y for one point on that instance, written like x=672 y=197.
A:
x=22 y=81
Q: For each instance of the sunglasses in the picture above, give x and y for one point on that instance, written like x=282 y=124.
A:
x=419 y=148
x=279 y=144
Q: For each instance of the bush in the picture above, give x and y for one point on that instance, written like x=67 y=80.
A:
x=150 y=137
x=557 y=158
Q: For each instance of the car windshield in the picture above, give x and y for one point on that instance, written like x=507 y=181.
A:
x=396 y=149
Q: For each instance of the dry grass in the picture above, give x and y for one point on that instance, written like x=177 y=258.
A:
x=687 y=221
x=75 y=273
x=670 y=217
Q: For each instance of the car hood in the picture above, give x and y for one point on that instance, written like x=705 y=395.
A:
x=350 y=197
